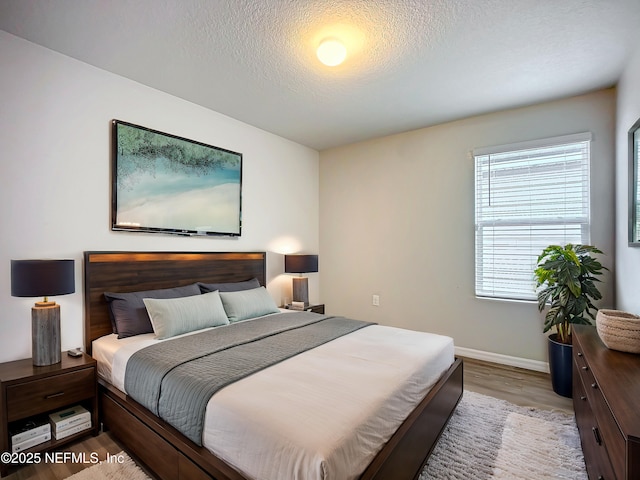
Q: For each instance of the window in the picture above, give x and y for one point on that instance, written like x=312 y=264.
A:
x=528 y=196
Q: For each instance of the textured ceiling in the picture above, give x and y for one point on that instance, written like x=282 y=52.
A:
x=411 y=63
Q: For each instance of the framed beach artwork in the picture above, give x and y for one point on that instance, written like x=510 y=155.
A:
x=163 y=183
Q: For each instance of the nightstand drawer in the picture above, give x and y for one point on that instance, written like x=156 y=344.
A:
x=38 y=396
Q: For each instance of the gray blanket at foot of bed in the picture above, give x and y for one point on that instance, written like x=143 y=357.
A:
x=176 y=378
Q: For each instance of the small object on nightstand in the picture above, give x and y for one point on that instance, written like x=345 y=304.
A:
x=29 y=432
x=70 y=421
x=76 y=352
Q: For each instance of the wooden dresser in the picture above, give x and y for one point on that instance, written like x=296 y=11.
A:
x=606 y=399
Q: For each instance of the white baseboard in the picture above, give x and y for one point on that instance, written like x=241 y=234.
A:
x=526 y=363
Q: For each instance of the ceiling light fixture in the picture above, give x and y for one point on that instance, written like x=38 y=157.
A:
x=331 y=52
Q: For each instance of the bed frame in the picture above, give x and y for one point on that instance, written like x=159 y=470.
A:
x=164 y=450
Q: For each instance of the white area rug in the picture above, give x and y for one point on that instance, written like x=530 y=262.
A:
x=488 y=438
x=124 y=469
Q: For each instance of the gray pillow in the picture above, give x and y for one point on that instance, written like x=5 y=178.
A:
x=248 y=304
x=174 y=316
x=229 y=286
x=128 y=313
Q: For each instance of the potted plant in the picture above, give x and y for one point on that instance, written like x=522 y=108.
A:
x=566 y=283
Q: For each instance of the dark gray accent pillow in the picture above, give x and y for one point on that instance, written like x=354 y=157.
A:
x=129 y=315
x=229 y=287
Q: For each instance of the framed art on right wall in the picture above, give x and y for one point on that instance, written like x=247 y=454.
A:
x=634 y=185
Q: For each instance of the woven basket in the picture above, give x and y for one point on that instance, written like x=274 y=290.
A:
x=619 y=330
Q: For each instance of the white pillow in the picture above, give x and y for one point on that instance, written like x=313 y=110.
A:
x=248 y=304
x=174 y=316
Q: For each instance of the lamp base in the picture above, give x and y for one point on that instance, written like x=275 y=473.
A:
x=45 y=334
x=301 y=290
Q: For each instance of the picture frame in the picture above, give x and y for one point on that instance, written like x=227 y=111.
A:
x=634 y=184
x=163 y=183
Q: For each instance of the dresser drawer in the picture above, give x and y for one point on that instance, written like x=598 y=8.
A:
x=596 y=457
x=43 y=395
x=579 y=360
x=605 y=430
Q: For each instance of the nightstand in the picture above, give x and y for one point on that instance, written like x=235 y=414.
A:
x=27 y=391
x=316 y=308
x=311 y=308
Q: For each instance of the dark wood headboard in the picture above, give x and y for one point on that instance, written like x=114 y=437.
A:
x=133 y=271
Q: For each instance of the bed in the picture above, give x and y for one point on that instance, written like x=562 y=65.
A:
x=168 y=453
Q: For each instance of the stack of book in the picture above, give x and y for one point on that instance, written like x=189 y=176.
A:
x=29 y=433
x=70 y=421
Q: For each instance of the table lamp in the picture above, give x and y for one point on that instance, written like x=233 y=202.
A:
x=301 y=264
x=43 y=278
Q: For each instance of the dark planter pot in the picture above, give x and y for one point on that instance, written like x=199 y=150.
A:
x=560 y=365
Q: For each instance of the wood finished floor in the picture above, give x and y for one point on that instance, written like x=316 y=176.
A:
x=516 y=385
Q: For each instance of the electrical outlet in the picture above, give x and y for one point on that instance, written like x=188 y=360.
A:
x=376 y=300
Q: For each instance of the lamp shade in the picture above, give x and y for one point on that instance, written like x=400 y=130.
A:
x=42 y=278
x=300 y=263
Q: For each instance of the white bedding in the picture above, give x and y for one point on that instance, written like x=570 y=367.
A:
x=323 y=414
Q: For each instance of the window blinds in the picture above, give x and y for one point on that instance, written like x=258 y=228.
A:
x=527 y=198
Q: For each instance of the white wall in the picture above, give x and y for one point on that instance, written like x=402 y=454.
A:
x=55 y=178
x=397 y=220
x=627 y=258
